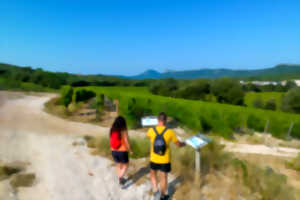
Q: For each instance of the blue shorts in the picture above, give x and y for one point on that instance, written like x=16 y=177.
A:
x=120 y=156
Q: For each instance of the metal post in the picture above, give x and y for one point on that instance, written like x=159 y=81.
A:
x=267 y=126
x=290 y=130
x=197 y=165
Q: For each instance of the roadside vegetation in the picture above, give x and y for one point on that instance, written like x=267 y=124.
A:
x=295 y=163
x=221 y=119
x=7 y=84
x=140 y=146
x=17 y=178
x=222 y=174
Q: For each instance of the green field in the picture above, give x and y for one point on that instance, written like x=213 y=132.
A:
x=221 y=119
x=265 y=96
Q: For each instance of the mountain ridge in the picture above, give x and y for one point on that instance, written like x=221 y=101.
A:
x=218 y=73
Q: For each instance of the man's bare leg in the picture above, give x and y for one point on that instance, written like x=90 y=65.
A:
x=154 y=180
x=163 y=183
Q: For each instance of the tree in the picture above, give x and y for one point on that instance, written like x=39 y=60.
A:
x=166 y=87
x=197 y=90
x=290 y=85
x=228 y=91
x=84 y=95
x=291 y=101
x=271 y=104
x=66 y=94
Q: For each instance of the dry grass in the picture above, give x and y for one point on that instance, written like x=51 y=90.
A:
x=295 y=163
x=226 y=177
x=291 y=144
x=7 y=170
x=22 y=180
x=53 y=107
x=140 y=146
x=75 y=110
x=222 y=175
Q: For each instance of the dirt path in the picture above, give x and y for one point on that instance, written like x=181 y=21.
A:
x=63 y=171
x=261 y=149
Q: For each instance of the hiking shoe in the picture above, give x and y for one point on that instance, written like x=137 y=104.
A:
x=156 y=195
x=122 y=181
x=166 y=197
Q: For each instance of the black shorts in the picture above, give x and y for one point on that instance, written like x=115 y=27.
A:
x=120 y=156
x=161 y=167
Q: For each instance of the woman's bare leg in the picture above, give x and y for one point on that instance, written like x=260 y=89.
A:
x=123 y=169
x=119 y=170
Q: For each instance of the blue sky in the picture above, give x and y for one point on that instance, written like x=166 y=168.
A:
x=129 y=37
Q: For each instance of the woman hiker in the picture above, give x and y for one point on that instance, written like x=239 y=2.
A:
x=120 y=146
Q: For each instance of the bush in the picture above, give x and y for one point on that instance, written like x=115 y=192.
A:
x=258 y=103
x=296 y=130
x=84 y=95
x=255 y=123
x=137 y=110
x=291 y=101
x=270 y=104
x=66 y=94
x=228 y=91
x=196 y=91
x=166 y=87
x=98 y=103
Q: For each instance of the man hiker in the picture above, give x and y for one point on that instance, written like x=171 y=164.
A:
x=161 y=137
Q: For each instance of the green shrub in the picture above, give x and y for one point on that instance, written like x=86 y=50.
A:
x=137 y=109
x=258 y=103
x=271 y=104
x=291 y=101
x=228 y=91
x=277 y=129
x=66 y=94
x=84 y=95
x=296 y=130
x=255 y=123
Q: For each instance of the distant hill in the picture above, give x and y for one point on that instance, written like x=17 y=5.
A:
x=279 y=72
x=286 y=71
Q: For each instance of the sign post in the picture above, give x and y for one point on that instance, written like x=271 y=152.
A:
x=197 y=142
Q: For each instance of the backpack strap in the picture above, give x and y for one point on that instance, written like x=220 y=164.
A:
x=162 y=133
